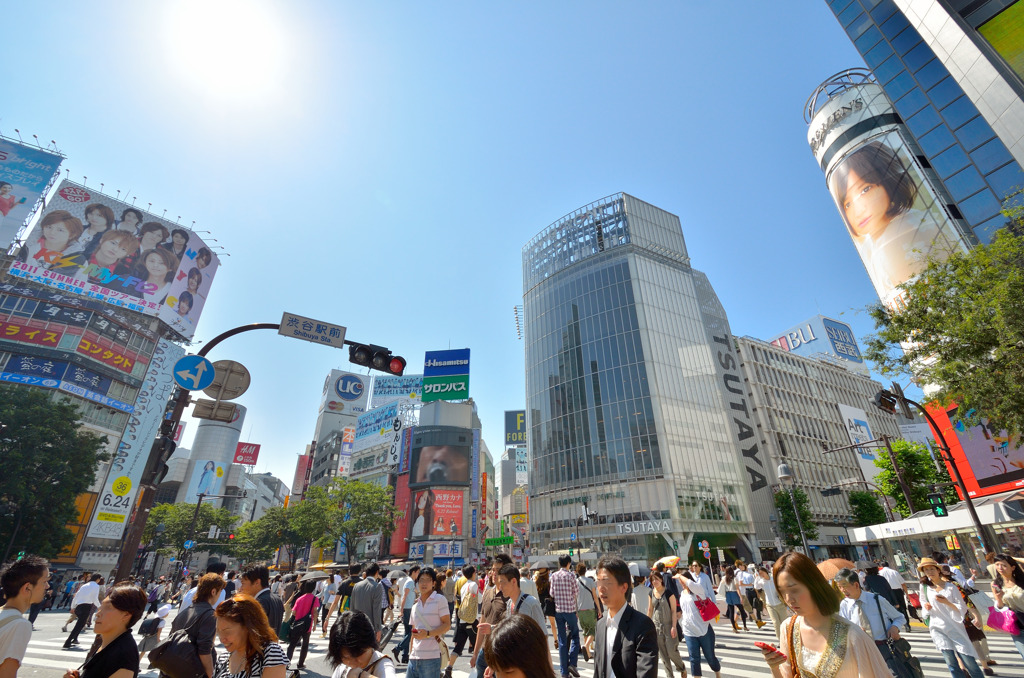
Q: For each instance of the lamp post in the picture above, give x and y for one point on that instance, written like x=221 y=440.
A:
x=787 y=479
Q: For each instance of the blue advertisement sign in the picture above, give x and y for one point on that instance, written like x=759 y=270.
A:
x=43 y=367
x=844 y=344
x=446 y=363
x=474 y=523
x=390 y=389
x=823 y=335
x=369 y=426
x=474 y=484
x=25 y=172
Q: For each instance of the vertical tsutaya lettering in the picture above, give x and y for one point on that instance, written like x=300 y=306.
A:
x=744 y=428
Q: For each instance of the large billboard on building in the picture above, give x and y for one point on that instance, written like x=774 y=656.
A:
x=990 y=462
x=1005 y=32
x=299 y=481
x=436 y=513
x=389 y=389
x=117 y=499
x=25 y=172
x=522 y=466
x=441 y=455
x=446 y=375
x=344 y=393
x=375 y=426
x=515 y=427
x=823 y=335
x=90 y=244
x=855 y=421
x=403 y=500
x=208 y=477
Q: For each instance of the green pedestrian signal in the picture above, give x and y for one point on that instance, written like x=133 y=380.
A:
x=938 y=505
x=570 y=552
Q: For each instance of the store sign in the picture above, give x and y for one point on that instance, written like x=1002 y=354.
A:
x=446 y=375
x=515 y=427
x=647 y=527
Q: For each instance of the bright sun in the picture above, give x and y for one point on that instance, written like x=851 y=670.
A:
x=231 y=49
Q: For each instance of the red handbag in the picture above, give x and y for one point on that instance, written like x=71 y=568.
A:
x=915 y=600
x=707 y=608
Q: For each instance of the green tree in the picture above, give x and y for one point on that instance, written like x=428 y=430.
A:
x=919 y=473
x=177 y=518
x=46 y=461
x=344 y=512
x=259 y=539
x=866 y=508
x=787 y=518
x=962 y=328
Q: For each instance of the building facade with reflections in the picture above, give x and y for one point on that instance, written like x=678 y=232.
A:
x=636 y=408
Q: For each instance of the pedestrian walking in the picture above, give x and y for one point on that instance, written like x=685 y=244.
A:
x=944 y=608
x=151 y=640
x=199 y=620
x=116 y=650
x=662 y=608
x=303 y=617
x=255 y=582
x=698 y=633
x=627 y=642
x=408 y=600
x=518 y=646
x=1008 y=590
x=587 y=612
x=543 y=581
x=467 y=611
x=729 y=589
x=565 y=593
x=748 y=595
x=88 y=596
x=430 y=622
x=252 y=647
x=876 y=615
x=352 y=651
x=448 y=590
x=366 y=597
x=23 y=583
x=777 y=610
x=493 y=606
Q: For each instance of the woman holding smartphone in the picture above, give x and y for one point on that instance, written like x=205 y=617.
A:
x=944 y=608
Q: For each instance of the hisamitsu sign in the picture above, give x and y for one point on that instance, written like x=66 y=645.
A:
x=446 y=375
x=315 y=331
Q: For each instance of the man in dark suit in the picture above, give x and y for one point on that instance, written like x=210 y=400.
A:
x=255 y=582
x=626 y=642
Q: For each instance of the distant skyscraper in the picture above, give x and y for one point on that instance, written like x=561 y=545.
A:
x=636 y=407
x=953 y=71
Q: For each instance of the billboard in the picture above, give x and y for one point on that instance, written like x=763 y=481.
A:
x=348 y=438
x=388 y=389
x=990 y=462
x=441 y=455
x=301 y=473
x=823 y=335
x=56 y=374
x=247 y=453
x=436 y=513
x=522 y=468
x=1005 y=32
x=374 y=426
x=344 y=393
x=515 y=427
x=446 y=375
x=117 y=499
x=90 y=244
x=855 y=421
x=207 y=477
x=25 y=172
x=403 y=500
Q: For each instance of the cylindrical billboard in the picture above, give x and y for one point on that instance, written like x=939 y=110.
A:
x=891 y=209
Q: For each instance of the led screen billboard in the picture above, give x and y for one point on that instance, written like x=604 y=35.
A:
x=990 y=462
x=441 y=455
x=25 y=172
x=1005 y=32
x=90 y=244
x=436 y=513
x=386 y=390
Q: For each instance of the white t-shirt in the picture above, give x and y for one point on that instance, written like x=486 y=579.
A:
x=409 y=591
x=14 y=635
x=383 y=669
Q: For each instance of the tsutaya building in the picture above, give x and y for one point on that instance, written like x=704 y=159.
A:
x=636 y=407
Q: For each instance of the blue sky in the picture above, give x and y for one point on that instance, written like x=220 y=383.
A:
x=380 y=165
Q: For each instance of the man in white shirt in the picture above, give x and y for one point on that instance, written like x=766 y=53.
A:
x=777 y=610
x=627 y=642
x=745 y=584
x=24 y=584
x=88 y=595
x=871 y=612
x=186 y=600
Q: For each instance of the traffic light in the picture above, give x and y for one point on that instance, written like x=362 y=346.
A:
x=885 y=401
x=376 y=358
x=156 y=467
x=231 y=536
x=938 y=505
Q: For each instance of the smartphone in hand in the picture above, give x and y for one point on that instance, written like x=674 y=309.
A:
x=769 y=647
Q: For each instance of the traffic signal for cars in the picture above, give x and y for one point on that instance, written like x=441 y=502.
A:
x=156 y=466
x=938 y=505
x=376 y=358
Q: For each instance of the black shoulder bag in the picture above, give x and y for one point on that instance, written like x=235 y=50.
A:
x=178 y=656
x=900 y=649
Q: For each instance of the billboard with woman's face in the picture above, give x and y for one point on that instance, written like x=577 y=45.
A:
x=436 y=514
x=441 y=455
x=206 y=479
x=892 y=214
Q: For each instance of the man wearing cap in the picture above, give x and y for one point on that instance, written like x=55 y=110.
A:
x=874 y=614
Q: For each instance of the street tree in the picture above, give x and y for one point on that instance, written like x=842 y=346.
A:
x=259 y=539
x=177 y=520
x=46 y=461
x=346 y=511
x=920 y=473
x=788 y=525
x=865 y=508
x=961 y=328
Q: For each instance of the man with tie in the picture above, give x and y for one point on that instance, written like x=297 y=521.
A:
x=874 y=614
x=626 y=642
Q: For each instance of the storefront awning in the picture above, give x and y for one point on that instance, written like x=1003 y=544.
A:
x=1007 y=507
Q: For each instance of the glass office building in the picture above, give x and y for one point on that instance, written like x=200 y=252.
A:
x=953 y=71
x=635 y=403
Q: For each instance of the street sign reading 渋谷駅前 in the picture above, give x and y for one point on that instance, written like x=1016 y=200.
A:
x=315 y=331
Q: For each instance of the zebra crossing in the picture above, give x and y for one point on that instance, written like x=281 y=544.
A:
x=739 y=657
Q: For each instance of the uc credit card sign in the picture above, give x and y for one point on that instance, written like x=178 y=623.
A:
x=446 y=375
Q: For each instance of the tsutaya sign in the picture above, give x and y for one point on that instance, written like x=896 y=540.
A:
x=645 y=527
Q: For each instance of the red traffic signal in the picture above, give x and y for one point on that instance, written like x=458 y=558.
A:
x=231 y=536
x=376 y=358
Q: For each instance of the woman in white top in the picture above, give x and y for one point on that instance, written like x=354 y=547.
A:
x=699 y=635
x=944 y=608
x=353 y=648
x=729 y=589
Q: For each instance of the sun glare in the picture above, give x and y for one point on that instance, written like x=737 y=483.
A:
x=230 y=49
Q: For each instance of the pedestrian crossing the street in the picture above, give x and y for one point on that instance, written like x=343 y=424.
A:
x=739 y=657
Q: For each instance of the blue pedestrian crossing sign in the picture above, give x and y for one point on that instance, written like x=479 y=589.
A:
x=190 y=544
x=193 y=373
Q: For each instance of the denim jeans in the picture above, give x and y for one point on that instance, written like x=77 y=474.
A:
x=1018 y=642
x=424 y=668
x=568 y=630
x=403 y=646
x=973 y=670
x=705 y=644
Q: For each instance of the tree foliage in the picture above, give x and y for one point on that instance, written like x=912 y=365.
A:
x=962 y=328
x=177 y=518
x=919 y=473
x=344 y=512
x=46 y=461
x=866 y=508
x=259 y=539
x=788 y=525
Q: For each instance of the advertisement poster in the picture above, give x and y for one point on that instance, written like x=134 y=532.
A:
x=856 y=422
x=388 y=389
x=344 y=393
x=515 y=427
x=446 y=375
x=117 y=500
x=475 y=458
x=207 y=478
x=247 y=453
x=1005 y=32
x=90 y=244
x=441 y=456
x=522 y=467
x=23 y=369
x=25 y=172
x=990 y=462
x=375 y=426
x=891 y=213
x=403 y=500
x=436 y=513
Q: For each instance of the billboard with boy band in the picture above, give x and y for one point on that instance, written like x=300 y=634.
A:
x=25 y=172
x=90 y=244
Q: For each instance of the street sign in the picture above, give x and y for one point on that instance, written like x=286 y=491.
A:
x=193 y=373
x=215 y=411
x=572 y=536
x=190 y=544
x=499 y=541
x=315 y=331
x=230 y=380
x=707 y=555
x=172 y=559
x=721 y=555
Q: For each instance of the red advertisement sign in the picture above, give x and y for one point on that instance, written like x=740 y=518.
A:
x=989 y=461
x=106 y=355
x=27 y=333
x=436 y=514
x=247 y=453
x=399 y=546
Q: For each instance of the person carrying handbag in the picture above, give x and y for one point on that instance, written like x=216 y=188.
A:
x=1008 y=589
x=199 y=627
x=303 y=619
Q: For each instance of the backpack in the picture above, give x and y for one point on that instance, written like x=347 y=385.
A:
x=149 y=626
x=154 y=594
x=468 y=608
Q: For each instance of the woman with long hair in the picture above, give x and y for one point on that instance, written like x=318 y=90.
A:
x=302 y=604
x=816 y=641
x=353 y=645
x=253 y=651
x=944 y=609
x=729 y=589
x=699 y=635
x=424 y=513
x=117 y=655
x=547 y=603
x=517 y=647
x=662 y=610
x=1008 y=590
